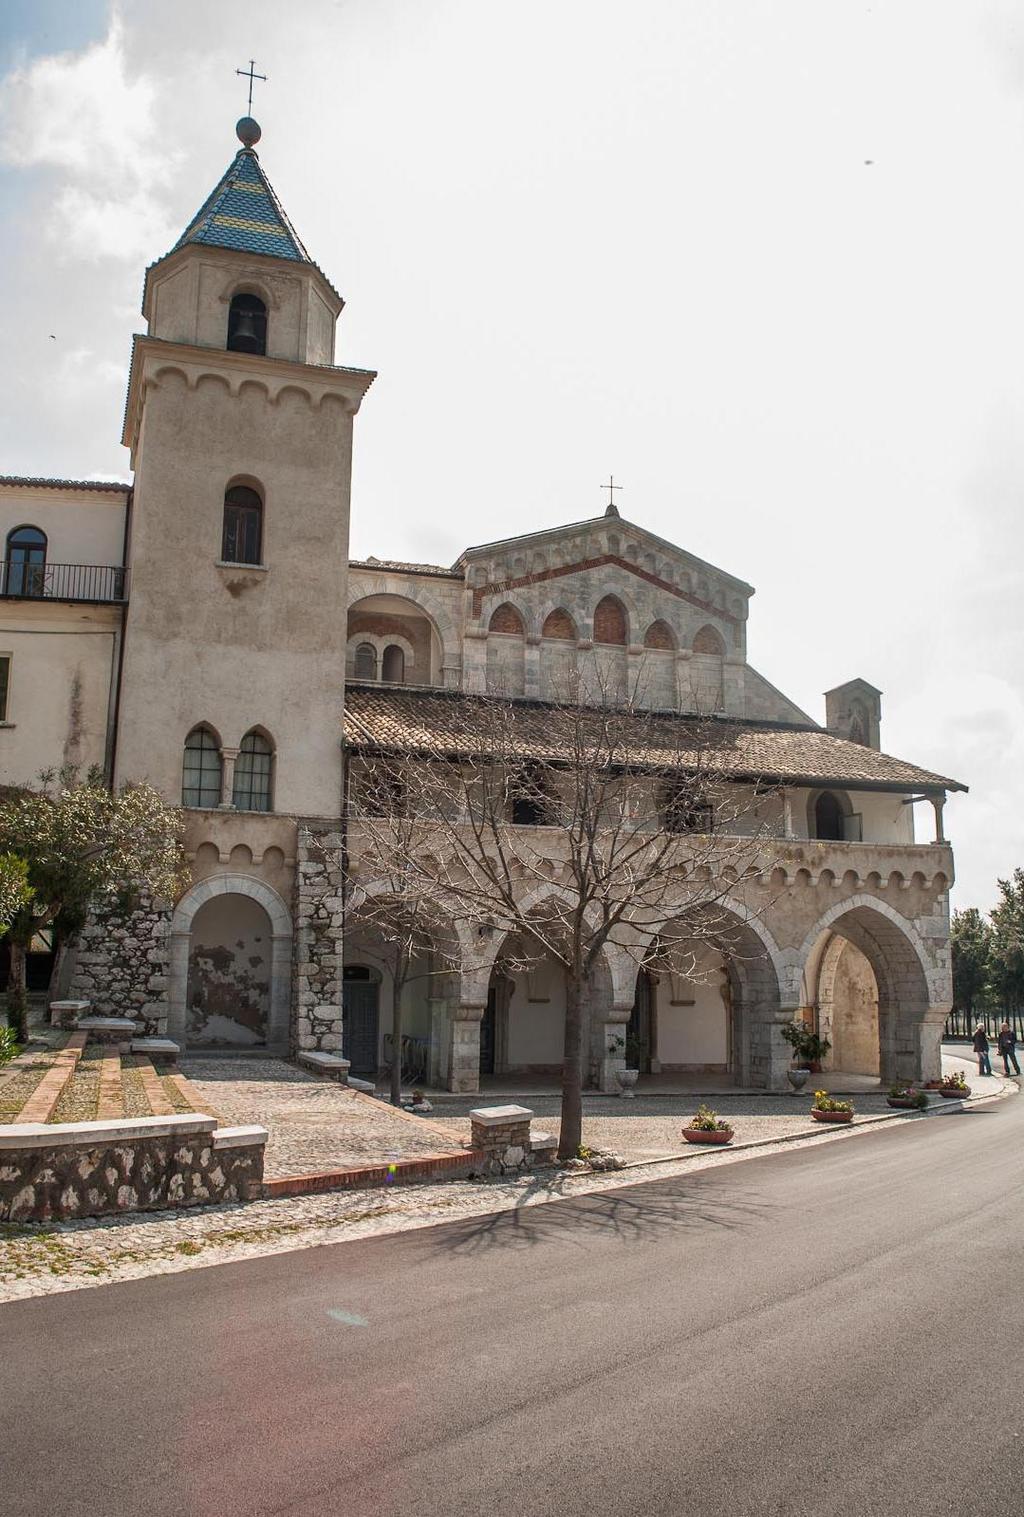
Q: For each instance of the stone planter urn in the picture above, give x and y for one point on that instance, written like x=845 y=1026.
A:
x=797 y=1078
x=627 y=1079
x=903 y=1103
x=699 y=1135
x=831 y=1116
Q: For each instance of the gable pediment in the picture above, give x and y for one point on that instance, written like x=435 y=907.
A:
x=606 y=542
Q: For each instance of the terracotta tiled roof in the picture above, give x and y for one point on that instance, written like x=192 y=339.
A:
x=438 y=570
x=410 y=721
x=31 y=482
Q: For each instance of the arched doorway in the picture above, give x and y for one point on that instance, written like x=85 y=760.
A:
x=210 y=959
x=229 y=967
x=909 y=1029
x=847 y=1003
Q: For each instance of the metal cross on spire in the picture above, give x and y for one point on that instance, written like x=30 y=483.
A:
x=611 y=487
x=251 y=74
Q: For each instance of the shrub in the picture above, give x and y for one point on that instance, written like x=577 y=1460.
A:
x=9 y=1044
x=707 y=1120
x=824 y=1102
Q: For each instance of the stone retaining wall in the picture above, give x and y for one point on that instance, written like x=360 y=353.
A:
x=65 y=1170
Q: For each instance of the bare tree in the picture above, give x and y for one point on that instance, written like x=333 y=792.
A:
x=565 y=828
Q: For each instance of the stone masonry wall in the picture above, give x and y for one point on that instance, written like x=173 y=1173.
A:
x=319 y=919
x=121 y=964
x=39 y=1183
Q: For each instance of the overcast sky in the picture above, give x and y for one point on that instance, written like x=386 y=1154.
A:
x=762 y=260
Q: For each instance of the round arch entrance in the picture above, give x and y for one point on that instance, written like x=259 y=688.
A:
x=230 y=970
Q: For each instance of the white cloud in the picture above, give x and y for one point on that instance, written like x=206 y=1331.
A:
x=94 y=125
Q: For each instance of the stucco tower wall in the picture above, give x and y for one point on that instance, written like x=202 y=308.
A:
x=245 y=646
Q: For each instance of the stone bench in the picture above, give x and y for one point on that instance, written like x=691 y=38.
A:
x=67 y=1014
x=156 y=1048
x=331 y=1064
x=108 y=1029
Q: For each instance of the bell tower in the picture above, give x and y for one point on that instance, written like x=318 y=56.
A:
x=240 y=430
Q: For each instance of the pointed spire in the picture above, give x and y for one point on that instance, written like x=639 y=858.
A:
x=243 y=212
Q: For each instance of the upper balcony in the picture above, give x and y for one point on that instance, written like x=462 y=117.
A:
x=93 y=584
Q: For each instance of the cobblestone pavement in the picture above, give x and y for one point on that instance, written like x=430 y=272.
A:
x=314 y=1124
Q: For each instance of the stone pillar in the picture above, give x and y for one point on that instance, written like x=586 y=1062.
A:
x=474 y=660
x=531 y=667
x=464 y=1048
x=787 y=814
x=437 y=1070
x=938 y=803
x=227 y=778
x=318 y=939
x=502 y=1135
x=613 y=1057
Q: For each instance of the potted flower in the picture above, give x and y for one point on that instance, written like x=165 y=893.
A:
x=707 y=1127
x=954 y=1087
x=808 y=1048
x=827 y=1109
x=906 y=1098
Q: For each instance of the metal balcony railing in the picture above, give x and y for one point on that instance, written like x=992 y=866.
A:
x=66 y=582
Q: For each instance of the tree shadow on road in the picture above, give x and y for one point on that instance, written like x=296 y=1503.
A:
x=637 y=1214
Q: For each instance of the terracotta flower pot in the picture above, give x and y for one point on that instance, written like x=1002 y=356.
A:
x=934 y=1085
x=905 y=1103
x=954 y=1095
x=831 y=1116
x=698 y=1135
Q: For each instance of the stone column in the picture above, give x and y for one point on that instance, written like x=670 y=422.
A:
x=787 y=814
x=227 y=778
x=531 y=668
x=318 y=939
x=613 y=1057
x=938 y=803
x=177 y=1012
x=464 y=1048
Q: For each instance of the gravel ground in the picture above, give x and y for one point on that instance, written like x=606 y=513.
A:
x=15 y=1088
x=314 y=1124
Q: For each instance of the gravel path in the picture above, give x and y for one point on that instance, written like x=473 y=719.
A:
x=314 y=1124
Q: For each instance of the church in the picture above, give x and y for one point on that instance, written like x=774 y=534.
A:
x=204 y=629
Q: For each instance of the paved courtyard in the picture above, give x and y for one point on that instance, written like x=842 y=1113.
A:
x=314 y=1124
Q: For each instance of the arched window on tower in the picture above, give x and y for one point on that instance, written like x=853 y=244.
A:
x=252 y=773
x=247 y=325
x=243 y=526
x=392 y=668
x=26 y=562
x=201 y=771
x=365 y=663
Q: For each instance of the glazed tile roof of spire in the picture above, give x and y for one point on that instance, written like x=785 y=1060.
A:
x=243 y=213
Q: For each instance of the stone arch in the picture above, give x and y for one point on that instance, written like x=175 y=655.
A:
x=913 y=990
x=281 y=950
x=659 y=635
x=817 y=800
x=438 y=642
x=559 y=623
x=611 y=622
x=757 y=985
x=507 y=618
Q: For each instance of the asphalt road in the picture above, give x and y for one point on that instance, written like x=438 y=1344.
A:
x=828 y=1330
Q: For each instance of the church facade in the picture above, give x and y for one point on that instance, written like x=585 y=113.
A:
x=204 y=629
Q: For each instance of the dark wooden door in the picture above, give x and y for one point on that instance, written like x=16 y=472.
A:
x=487 y=1026
x=362 y=1017
x=638 y=1033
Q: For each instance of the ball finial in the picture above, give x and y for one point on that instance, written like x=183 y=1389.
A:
x=248 y=131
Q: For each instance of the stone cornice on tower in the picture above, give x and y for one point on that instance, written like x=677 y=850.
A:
x=152 y=357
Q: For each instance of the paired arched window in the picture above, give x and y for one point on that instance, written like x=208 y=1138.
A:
x=202 y=769
x=610 y=621
x=365 y=662
x=252 y=773
x=26 y=561
x=243 y=526
x=392 y=665
x=829 y=817
x=247 y=325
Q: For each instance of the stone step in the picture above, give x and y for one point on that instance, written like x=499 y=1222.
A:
x=156 y=1048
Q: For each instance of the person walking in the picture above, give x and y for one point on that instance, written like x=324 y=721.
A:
x=981 y=1049
x=1008 y=1049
